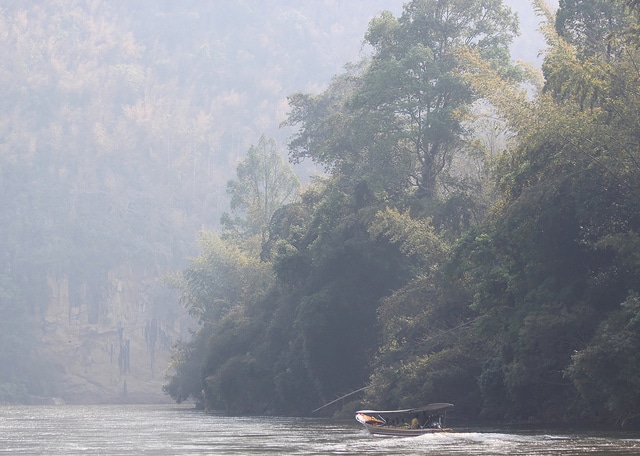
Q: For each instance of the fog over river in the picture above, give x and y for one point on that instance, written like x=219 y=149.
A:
x=181 y=430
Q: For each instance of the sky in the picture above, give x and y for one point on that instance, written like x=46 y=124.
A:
x=528 y=45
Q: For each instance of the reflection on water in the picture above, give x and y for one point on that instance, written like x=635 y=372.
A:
x=180 y=430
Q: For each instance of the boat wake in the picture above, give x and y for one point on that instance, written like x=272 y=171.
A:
x=495 y=443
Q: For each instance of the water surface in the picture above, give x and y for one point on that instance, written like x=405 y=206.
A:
x=181 y=430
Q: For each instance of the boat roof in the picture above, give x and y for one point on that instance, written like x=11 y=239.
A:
x=435 y=407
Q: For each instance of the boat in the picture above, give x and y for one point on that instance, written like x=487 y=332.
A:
x=428 y=419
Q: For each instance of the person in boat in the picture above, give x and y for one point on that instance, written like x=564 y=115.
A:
x=415 y=423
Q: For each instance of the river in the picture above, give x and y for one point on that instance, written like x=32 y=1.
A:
x=181 y=430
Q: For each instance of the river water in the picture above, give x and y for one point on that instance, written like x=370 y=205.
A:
x=181 y=430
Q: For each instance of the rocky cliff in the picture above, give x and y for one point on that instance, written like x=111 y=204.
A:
x=111 y=342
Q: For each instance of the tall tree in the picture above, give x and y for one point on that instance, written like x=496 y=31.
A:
x=264 y=182
x=406 y=109
x=412 y=85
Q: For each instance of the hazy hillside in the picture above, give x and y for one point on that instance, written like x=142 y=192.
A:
x=121 y=123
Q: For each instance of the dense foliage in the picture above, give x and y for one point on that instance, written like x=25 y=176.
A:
x=446 y=256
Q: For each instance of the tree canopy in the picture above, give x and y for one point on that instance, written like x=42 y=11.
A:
x=441 y=259
x=264 y=183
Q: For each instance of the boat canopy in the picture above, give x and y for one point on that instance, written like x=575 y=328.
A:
x=435 y=407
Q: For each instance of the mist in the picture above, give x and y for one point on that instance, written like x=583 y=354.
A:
x=121 y=124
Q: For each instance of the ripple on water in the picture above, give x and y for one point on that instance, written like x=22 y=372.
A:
x=180 y=430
